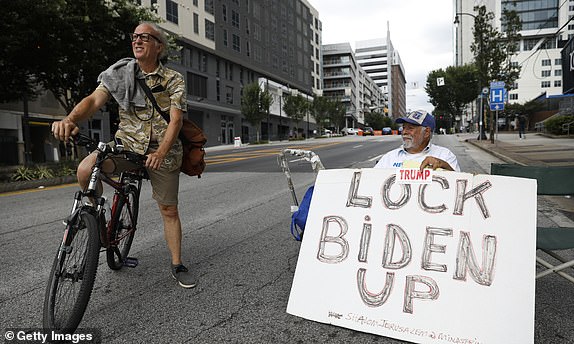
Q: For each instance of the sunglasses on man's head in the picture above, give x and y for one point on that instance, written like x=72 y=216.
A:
x=143 y=36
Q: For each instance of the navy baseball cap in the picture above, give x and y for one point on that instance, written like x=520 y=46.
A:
x=418 y=117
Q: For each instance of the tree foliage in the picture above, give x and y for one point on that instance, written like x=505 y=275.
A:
x=255 y=105
x=296 y=108
x=320 y=109
x=337 y=114
x=63 y=45
x=460 y=88
x=378 y=120
x=493 y=49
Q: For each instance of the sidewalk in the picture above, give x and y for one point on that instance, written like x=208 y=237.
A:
x=536 y=149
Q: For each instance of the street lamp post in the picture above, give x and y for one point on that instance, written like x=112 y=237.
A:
x=456 y=22
x=280 y=94
x=481 y=134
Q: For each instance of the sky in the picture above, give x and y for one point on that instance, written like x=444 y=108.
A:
x=420 y=30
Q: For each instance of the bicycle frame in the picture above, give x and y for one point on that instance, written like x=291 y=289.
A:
x=125 y=181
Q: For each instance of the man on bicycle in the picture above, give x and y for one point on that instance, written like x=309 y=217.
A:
x=142 y=129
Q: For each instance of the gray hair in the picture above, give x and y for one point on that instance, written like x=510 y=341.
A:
x=162 y=38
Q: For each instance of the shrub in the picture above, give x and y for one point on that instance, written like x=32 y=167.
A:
x=23 y=173
x=43 y=172
x=554 y=125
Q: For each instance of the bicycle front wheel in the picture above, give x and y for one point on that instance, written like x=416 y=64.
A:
x=72 y=276
x=124 y=225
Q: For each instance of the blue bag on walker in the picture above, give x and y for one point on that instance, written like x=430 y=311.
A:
x=299 y=218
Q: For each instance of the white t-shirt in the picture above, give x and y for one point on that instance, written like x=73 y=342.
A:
x=401 y=158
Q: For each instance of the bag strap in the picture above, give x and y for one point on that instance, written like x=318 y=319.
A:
x=151 y=98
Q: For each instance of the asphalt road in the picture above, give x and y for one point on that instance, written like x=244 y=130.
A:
x=236 y=237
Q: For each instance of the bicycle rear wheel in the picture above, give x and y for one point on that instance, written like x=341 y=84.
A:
x=124 y=225
x=72 y=276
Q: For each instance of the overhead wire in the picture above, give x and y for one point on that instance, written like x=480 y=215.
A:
x=541 y=27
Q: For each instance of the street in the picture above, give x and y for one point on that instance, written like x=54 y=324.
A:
x=236 y=237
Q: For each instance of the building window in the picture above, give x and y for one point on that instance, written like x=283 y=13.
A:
x=224 y=11
x=197 y=85
x=209 y=7
x=153 y=5
x=229 y=94
x=546 y=73
x=195 y=3
x=235 y=19
x=546 y=62
x=225 y=37
x=209 y=30
x=203 y=62
x=218 y=89
x=558 y=62
x=514 y=96
x=236 y=43
x=558 y=72
x=171 y=11
x=545 y=84
x=196 y=23
x=557 y=83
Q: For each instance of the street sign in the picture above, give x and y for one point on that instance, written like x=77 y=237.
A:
x=497 y=95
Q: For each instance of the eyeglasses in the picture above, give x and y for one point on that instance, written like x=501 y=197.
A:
x=143 y=36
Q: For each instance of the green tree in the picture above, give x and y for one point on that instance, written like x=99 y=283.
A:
x=63 y=45
x=493 y=50
x=320 y=111
x=337 y=114
x=255 y=105
x=296 y=107
x=376 y=120
x=459 y=88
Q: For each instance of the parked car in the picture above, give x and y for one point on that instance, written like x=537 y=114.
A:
x=387 y=131
x=350 y=131
x=368 y=131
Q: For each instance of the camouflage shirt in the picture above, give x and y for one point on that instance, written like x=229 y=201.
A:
x=137 y=124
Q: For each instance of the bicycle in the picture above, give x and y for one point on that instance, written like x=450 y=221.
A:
x=86 y=231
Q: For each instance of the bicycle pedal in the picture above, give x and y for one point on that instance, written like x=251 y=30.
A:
x=131 y=262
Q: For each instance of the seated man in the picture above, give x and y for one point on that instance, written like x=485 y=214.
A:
x=417 y=150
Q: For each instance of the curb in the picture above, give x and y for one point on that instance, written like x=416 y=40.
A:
x=33 y=184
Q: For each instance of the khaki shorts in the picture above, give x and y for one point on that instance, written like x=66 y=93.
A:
x=164 y=183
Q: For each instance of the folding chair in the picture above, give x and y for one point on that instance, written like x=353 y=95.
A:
x=552 y=180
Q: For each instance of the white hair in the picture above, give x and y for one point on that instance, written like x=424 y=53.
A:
x=161 y=36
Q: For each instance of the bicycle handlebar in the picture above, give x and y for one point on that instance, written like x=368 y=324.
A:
x=102 y=147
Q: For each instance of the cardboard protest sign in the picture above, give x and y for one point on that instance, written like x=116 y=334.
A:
x=446 y=258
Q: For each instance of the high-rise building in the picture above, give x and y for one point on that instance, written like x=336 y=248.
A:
x=383 y=64
x=225 y=45
x=546 y=28
x=229 y=44
x=340 y=79
x=345 y=81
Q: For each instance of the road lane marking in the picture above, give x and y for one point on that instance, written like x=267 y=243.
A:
x=19 y=192
x=259 y=153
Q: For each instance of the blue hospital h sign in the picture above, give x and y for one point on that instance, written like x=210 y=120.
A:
x=497 y=93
